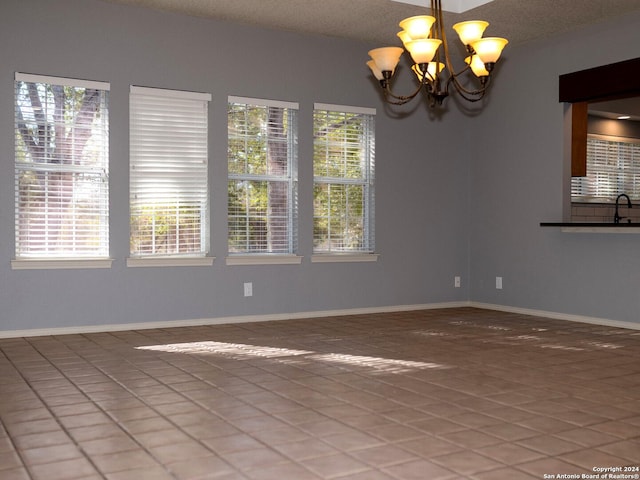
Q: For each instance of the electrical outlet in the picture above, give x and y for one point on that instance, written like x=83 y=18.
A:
x=248 y=289
x=499 y=283
x=456 y=282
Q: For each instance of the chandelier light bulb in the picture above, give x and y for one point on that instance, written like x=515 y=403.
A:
x=489 y=49
x=375 y=70
x=404 y=36
x=433 y=69
x=470 y=31
x=423 y=51
x=418 y=27
x=477 y=66
x=386 y=58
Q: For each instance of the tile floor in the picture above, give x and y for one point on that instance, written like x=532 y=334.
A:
x=428 y=395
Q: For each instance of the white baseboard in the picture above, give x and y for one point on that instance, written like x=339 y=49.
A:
x=38 y=332
x=605 y=322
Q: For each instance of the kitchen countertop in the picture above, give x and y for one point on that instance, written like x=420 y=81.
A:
x=594 y=227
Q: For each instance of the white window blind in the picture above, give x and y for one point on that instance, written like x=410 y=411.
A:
x=61 y=168
x=613 y=167
x=343 y=169
x=262 y=161
x=168 y=172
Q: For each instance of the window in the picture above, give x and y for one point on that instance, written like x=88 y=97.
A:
x=262 y=160
x=168 y=173
x=613 y=167
x=61 y=168
x=343 y=169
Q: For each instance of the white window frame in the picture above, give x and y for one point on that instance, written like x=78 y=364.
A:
x=73 y=255
x=367 y=182
x=169 y=175
x=286 y=255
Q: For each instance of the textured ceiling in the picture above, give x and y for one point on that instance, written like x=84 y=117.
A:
x=376 y=20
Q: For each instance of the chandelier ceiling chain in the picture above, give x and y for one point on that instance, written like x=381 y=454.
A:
x=422 y=37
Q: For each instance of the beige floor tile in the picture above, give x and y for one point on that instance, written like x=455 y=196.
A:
x=474 y=420
x=586 y=437
x=85 y=420
x=33 y=427
x=367 y=475
x=335 y=466
x=545 y=424
x=509 y=453
x=15 y=474
x=176 y=452
x=619 y=429
x=120 y=461
x=395 y=432
x=9 y=461
x=430 y=446
x=254 y=459
x=92 y=432
x=353 y=440
x=550 y=465
x=438 y=426
x=153 y=473
x=492 y=396
x=278 y=436
x=420 y=470
x=504 y=474
x=471 y=439
x=510 y=431
x=64 y=470
x=284 y=471
x=307 y=449
x=206 y=467
x=587 y=459
x=234 y=443
x=51 y=454
x=466 y=463
x=628 y=449
x=549 y=445
x=45 y=439
x=582 y=419
x=384 y=455
x=114 y=444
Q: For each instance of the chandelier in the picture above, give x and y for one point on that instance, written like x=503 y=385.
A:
x=422 y=37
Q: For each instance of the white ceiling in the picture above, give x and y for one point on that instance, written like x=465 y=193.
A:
x=456 y=6
x=376 y=21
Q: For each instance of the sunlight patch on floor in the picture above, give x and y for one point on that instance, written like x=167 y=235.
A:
x=242 y=351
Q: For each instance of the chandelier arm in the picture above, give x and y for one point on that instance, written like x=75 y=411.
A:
x=441 y=34
x=436 y=9
x=470 y=95
x=400 y=99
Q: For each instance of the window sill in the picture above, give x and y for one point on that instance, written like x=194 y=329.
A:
x=170 y=262
x=264 y=260
x=60 y=263
x=344 y=257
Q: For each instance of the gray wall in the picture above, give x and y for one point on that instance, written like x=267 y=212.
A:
x=519 y=179
x=457 y=194
x=421 y=169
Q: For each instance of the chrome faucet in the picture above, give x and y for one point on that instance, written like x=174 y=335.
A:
x=617 y=217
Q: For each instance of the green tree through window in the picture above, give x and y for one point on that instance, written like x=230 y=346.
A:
x=262 y=153
x=343 y=168
x=61 y=167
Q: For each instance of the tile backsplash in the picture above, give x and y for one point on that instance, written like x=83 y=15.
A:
x=603 y=212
